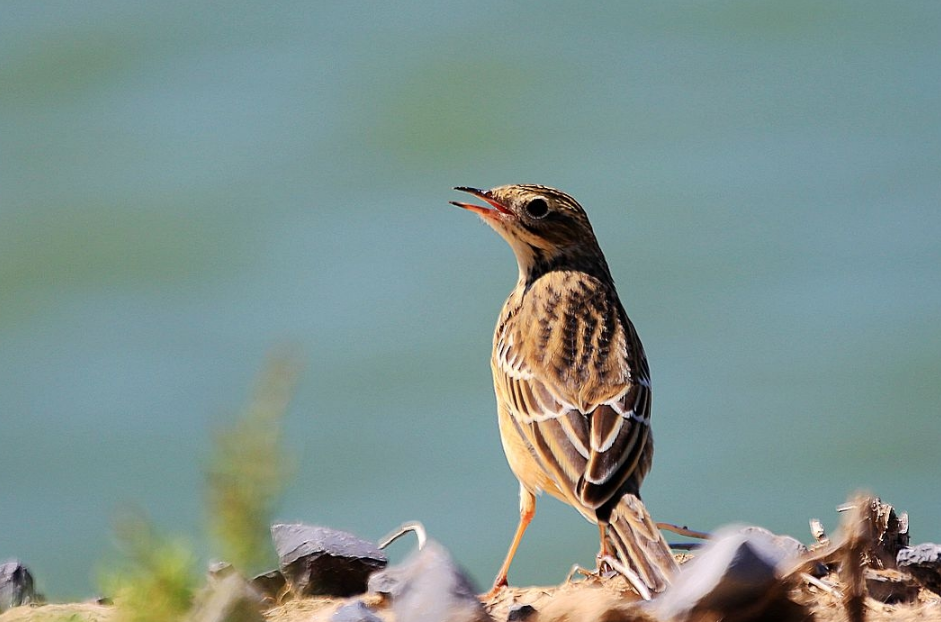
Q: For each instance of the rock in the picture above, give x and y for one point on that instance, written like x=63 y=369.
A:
x=16 y=585
x=890 y=586
x=520 y=613
x=429 y=587
x=736 y=573
x=385 y=582
x=228 y=599
x=923 y=562
x=100 y=600
x=791 y=548
x=269 y=584
x=354 y=612
x=322 y=561
x=219 y=570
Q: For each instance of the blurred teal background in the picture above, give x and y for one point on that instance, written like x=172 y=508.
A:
x=184 y=187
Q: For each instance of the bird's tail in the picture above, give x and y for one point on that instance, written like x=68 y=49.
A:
x=639 y=545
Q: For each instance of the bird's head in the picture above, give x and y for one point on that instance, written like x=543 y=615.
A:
x=546 y=228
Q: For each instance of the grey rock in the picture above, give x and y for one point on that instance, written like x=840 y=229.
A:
x=228 y=599
x=100 y=600
x=354 y=612
x=385 y=582
x=520 y=613
x=791 y=548
x=219 y=570
x=322 y=561
x=16 y=585
x=890 y=586
x=269 y=584
x=734 y=572
x=923 y=562
x=429 y=587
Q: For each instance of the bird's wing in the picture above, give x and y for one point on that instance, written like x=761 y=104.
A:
x=555 y=432
x=620 y=444
x=575 y=378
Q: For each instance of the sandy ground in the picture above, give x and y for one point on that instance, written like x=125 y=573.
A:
x=607 y=599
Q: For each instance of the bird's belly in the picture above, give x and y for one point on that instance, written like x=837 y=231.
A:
x=524 y=466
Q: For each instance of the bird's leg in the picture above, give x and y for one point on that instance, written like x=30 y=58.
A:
x=600 y=559
x=527 y=511
x=603 y=532
x=604 y=553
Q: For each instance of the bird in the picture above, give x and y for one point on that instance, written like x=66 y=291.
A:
x=571 y=379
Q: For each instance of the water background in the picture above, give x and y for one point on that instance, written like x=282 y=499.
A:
x=184 y=187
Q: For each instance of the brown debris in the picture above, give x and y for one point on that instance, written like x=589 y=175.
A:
x=885 y=531
x=858 y=539
x=848 y=576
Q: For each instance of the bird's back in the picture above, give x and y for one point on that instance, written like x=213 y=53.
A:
x=568 y=364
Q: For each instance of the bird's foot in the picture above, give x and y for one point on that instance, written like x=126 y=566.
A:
x=498 y=588
x=615 y=567
x=584 y=573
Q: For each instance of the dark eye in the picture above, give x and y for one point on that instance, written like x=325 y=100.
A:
x=537 y=208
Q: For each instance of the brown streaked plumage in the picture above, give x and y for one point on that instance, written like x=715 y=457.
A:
x=571 y=378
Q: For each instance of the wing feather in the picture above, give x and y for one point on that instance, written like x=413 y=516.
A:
x=578 y=388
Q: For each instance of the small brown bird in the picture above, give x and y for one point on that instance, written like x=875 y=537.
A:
x=571 y=379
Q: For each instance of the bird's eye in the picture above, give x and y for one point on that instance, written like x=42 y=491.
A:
x=537 y=208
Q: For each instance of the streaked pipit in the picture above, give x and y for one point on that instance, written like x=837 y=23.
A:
x=571 y=379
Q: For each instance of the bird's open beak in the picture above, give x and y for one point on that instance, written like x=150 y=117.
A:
x=480 y=209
